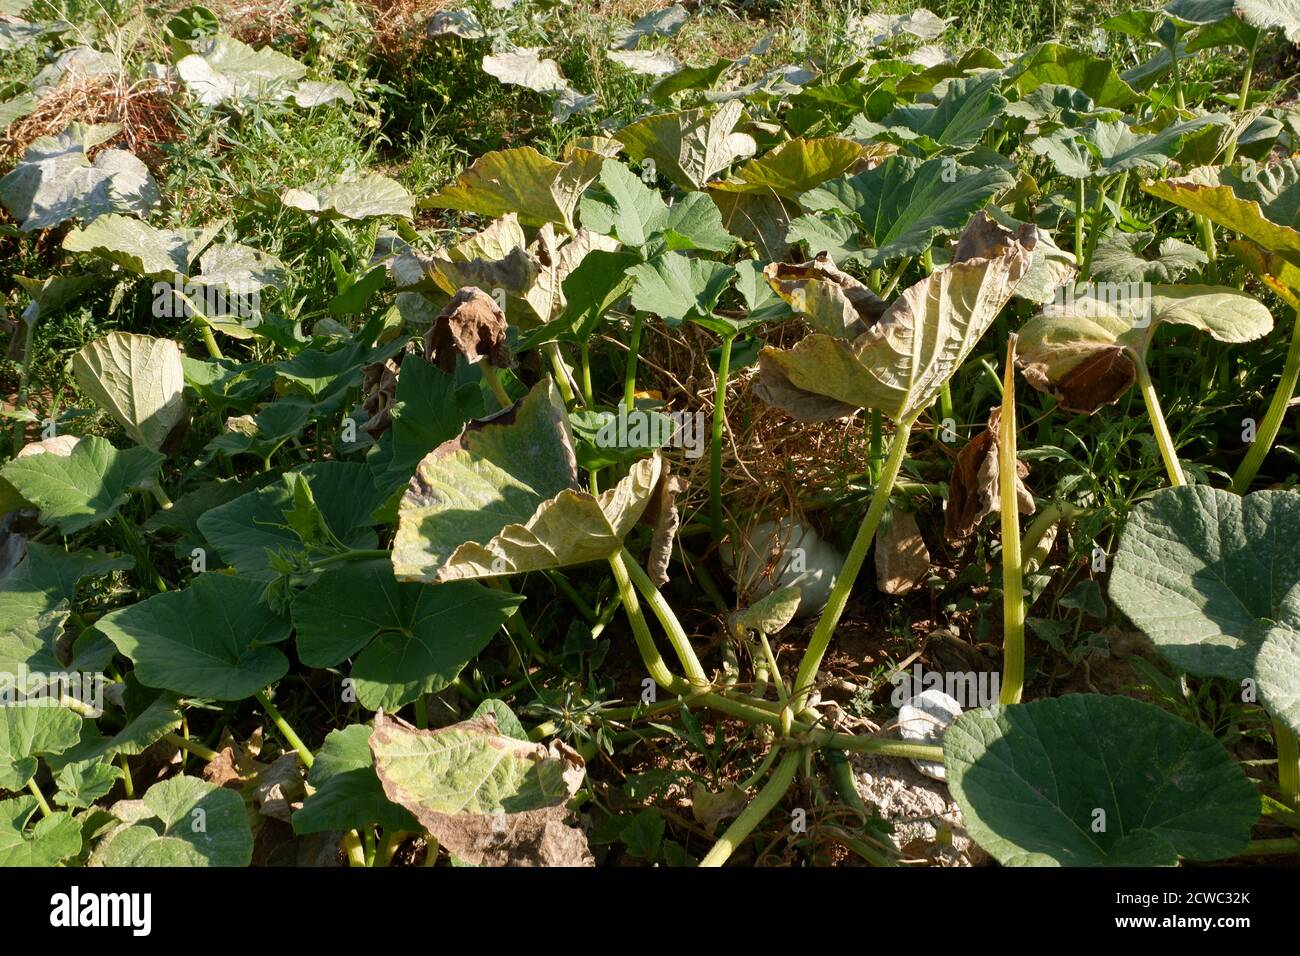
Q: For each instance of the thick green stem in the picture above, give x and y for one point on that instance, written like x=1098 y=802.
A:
x=754 y=814
x=294 y=741
x=1206 y=228
x=876 y=453
x=493 y=381
x=1288 y=763
x=1243 y=99
x=584 y=355
x=560 y=373
x=1164 y=440
x=676 y=634
x=825 y=630
x=715 y=446
x=184 y=743
x=352 y=847
x=1268 y=429
x=633 y=352
x=40 y=798
x=1081 y=197
x=645 y=643
x=209 y=340
x=1013 y=594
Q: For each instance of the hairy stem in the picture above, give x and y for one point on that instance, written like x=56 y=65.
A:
x=1013 y=595
x=304 y=753
x=633 y=352
x=1268 y=429
x=754 y=814
x=715 y=446
x=1164 y=439
x=676 y=634
x=1288 y=763
x=825 y=630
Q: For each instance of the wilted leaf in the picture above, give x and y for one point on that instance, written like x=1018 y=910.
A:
x=489 y=800
x=899 y=364
x=830 y=300
x=225 y=70
x=974 y=490
x=1081 y=350
x=902 y=559
x=646 y=62
x=690 y=147
x=1262 y=204
x=503 y=498
x=471 y=325
x=522 y=181
x=656 y=23
x=134 y=245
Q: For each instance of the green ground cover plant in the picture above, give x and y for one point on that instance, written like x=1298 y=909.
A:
x=456 y=436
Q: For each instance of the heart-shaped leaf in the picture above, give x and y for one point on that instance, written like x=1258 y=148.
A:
x=408 y=639
x=137 y=379
x=1203 y=572
x=1087 y=780
x=197 y=824
x=85 y=487
x=679 y=288
x=212 y=639
x=27 y=731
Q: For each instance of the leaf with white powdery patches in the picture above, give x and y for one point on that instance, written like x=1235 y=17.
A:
x=490 y=800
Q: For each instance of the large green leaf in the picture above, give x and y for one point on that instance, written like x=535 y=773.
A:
x=899 y=364
x=55 y=838
x=248 y=530
x=408 y=639
x=689 y=147
x=503 y=498
x=623 y=206
x=346 y=792
x=522 y=181
x=1260 y=203
x=225 y=70
x=1108 y=148
x=212 y=639
x=26 y=731
x=1082 y=350
x=1061 y=65
x=679 y=288
x=590 y=291
x=137 y=379
x=894 y=210
x=366 y=196
x=1204 y=572
x=959 y=117
x=793 y=167
x=54 y=181
x=1087 y=780
x=183 y=821
x=134 y=245
x=81 y=489
x=489 y=799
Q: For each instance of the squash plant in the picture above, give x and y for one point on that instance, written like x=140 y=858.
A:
x=362 y=494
